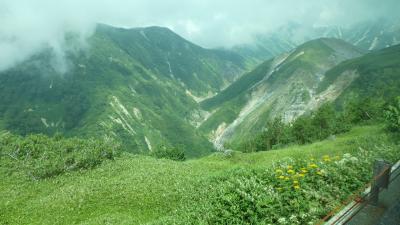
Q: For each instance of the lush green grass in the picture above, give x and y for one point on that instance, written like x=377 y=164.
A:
x=138 y=189
x=41 y=157
x=343 y=143
x=292 y=191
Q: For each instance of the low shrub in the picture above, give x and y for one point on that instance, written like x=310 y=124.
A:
x=294 y=191
x=166 y=152
x=392 y=116
x=41 y=156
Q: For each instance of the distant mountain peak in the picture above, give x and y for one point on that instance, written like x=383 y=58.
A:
x=367 y=35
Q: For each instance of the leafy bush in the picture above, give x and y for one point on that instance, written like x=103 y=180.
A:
x=361 y=111
x=42 y=156
x=319 y=125
x=276 y=133
x=166 y=152
x=293 y=192
x=392 y=115
x=302 y=130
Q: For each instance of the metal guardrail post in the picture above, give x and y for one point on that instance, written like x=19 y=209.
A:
x=357 y=204
x=380 y=180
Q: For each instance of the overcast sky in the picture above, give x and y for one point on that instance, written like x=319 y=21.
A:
x=28 y=25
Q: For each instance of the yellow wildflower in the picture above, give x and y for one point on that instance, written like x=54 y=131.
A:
x=290 y=167
x=295 y=182
x=319 y=173
x=304 y=171
x=291 y=171
x=286 y=178
x=278 y=171
x=281 y=177
x=327 y=159
x=296 y=187
x=313 y=165
x=301 y=175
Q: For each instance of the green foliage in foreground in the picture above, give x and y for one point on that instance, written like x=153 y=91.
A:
x=293 y=191
x=42 y=157
x=392 y=116
x=143 y=190
x=165 y=152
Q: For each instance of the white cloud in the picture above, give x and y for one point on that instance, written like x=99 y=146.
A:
x=27 y=26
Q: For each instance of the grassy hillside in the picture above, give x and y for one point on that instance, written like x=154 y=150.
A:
x=140 y=190
x=138 y=86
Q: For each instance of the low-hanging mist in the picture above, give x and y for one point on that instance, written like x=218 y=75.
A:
x=26 y=27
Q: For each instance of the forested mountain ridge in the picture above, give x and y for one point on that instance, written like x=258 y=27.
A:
x=138 y=86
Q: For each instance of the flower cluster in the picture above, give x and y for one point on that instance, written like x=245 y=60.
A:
x=293 y=191
x=292 y=176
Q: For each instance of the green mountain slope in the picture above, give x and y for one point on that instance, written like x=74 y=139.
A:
x=377 y=75
x=164 y=52
x=138 y=86
x=285 y=86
